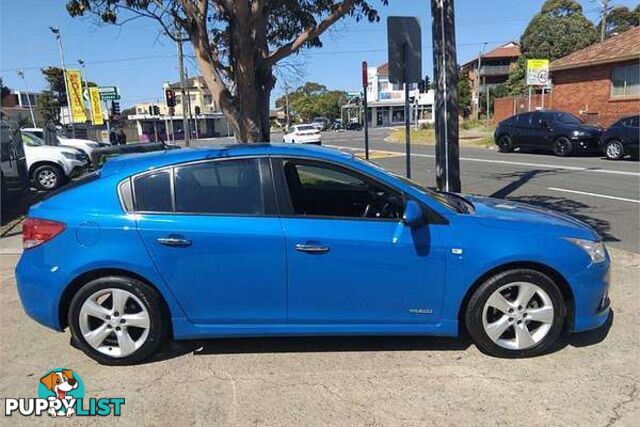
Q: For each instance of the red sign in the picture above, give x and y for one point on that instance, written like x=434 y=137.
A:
x=365 y=78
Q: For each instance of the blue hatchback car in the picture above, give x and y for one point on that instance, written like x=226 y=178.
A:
x=264 y=240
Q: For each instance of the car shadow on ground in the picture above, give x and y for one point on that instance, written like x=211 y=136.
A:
x=16 y=210
x=320 y=344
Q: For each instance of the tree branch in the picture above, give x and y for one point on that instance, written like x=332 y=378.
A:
x=310 y=33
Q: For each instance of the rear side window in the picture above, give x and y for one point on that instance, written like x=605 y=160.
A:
x=220 y=187
x=153 y=192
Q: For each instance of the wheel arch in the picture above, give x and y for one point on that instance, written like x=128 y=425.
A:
x=563 y=286
x=76 y=284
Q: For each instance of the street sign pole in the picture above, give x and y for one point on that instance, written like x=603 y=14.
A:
x=407 y=119
x=365 y=85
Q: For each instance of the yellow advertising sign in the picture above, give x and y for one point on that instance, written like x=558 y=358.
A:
x=74 y=86
x=537 y=72
x=96 y=110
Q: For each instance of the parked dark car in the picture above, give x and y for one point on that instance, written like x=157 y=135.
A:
x=353 y=126
x=562 y=133
x=621 y=138
x=15 y=175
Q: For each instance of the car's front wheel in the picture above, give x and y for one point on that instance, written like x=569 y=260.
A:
x=516 y=313
x=614 y=150
x=562 y=147
x=48 y=177
x=117 y=320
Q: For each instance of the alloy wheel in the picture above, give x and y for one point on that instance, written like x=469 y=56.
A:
x=614 y=150
x=114 y=322
x=517 y=316
x=47 y=178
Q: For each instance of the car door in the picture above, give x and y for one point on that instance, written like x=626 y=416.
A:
x=350 y=260
x=540 y=131
x=631 y=128
x=211 y=229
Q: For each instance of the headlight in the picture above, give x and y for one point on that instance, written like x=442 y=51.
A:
x=72 y=156
x=596 y=250
x=579 y=133
x=92 y=145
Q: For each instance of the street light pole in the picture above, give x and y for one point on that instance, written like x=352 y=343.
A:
x=185 y=120
x=56 y=32
x=26 y=89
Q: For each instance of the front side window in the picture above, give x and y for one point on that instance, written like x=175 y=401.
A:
x=153 y=192
x=220 y=187
x=323 y=190
x=625 y=80
x=566 y=118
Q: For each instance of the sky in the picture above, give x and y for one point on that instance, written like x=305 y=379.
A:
x=137 y=59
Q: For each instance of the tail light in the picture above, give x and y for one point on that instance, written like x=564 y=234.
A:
x=38 y=231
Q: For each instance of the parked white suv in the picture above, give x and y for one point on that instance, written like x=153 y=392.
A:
x=85 y=145
x=51 y=166
x=303 y=134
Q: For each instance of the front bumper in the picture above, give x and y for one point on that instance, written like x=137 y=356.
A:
x=586 y=144
x=591 y=297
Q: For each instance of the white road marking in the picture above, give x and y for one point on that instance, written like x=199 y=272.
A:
x=506 y=162
x=603 y=196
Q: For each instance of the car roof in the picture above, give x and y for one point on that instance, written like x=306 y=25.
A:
x=130 y=164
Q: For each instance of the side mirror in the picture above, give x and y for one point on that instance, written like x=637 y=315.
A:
x=412 y=216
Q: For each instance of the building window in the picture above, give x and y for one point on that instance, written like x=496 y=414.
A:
x=625 y=80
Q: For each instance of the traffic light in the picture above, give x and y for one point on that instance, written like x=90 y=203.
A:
x=170 y=98
x=150 y=110
x=197 y=110
x=156 y=110
x=115 y=108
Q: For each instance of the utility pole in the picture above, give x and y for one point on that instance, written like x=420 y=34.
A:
x=26 y=89
x=446 y=95
x=56 y=32
x=185 y=119
x=186 y=74
x=484 y=46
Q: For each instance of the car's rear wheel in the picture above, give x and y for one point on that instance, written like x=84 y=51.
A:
x=48 y=177
x=117 y=320
x=614 y=150
x=562 y=147
x=505 y=145
x=517 y=313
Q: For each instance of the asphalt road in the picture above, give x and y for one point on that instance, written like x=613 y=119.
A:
x=602 y=193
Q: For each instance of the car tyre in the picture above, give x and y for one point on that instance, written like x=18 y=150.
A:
x=141 y=300
x=48 y=177
x=523 y=332
x=562 y=147
x=614 y=150
x=505 y=145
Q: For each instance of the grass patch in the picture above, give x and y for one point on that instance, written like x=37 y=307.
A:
x=419 y=136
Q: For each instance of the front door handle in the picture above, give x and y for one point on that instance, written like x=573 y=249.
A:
x=174 y=241
x=312 y=249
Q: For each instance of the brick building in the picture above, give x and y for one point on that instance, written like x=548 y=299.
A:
x=600 y=83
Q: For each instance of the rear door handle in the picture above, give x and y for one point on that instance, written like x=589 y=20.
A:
x=312 y=249
x=174 y=241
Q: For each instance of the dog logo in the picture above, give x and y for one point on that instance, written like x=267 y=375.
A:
x=61 y=394
x=61 y=383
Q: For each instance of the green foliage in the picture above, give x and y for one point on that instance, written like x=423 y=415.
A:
x=314 y=100
x=464 y=93
x=558 y=30
x=516 y=82
x=49 y=107
x=621 y=19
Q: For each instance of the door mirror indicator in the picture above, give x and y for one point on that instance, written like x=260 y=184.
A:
x=412 y=216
